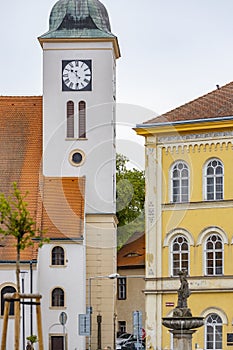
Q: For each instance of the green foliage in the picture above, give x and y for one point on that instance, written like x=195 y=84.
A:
x=130 y=191
x=130 y=199
x=33 y=339
x=16 y=220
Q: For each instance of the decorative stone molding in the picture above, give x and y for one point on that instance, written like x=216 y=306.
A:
x=190 y=137
x=215 y=310
x=178 y=231
x=195 y=142
x=210 y=230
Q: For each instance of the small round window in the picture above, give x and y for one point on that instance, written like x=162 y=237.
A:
x=77 y=157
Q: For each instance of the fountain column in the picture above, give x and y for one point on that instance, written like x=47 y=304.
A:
x=182 y=324
x=182 y=339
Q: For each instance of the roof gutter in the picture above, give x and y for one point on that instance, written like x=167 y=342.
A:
x=180 y=122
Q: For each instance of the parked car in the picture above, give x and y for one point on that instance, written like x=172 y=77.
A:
x=133 y=345
x=122 y=339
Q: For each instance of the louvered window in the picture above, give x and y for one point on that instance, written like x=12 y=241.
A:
x=82 y=119
x=70 y=119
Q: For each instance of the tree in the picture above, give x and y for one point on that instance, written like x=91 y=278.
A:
x=16 y=221
x=130 y=198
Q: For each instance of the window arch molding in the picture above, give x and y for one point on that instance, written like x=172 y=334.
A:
x=215 y=310
x=59 y=299
x=179 y=182
x=178 y=232
x=57 y=256
x=209 y=231
x=216 y=178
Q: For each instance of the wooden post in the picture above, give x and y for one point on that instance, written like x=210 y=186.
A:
x=16 y=297
x=39 y=324
x=17 y=321
x=5 y=324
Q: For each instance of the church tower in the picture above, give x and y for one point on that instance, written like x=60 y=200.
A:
x=79 y=65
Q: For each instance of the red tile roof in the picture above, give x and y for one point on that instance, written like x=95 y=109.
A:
x=218 y=103
x=21 y=156
x=132 y=254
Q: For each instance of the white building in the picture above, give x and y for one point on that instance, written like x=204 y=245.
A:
x=61 y=148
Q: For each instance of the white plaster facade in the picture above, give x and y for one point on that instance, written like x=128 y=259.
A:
x=99 y=144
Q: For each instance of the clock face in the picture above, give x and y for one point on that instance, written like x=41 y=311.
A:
x=76 y=75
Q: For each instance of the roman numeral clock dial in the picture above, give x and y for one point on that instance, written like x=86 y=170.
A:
x=76 y=75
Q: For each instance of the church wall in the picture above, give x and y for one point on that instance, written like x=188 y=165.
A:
x=99 y=144
x=71 y=278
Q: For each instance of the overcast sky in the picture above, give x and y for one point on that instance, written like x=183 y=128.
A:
x=172 y=50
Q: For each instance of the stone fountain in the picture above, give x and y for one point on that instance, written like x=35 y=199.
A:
x=182 y=324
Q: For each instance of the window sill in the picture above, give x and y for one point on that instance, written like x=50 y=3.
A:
x=57 y=307
x=198 y=205
x=57 y=266
x=76 y=139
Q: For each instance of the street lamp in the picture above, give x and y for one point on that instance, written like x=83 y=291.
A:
x=23 y=273
x=89 y=307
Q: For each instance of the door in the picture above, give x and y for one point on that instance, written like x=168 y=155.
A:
x=57 y=342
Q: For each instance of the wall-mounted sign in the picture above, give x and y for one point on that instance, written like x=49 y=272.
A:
x=170 y=304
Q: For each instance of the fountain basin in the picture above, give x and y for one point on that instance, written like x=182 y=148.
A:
x=183 y=323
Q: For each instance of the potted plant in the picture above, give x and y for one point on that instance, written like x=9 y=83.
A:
x=31 y=340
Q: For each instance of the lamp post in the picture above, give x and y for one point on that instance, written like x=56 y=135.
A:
x=23 y=273
x=89 y=307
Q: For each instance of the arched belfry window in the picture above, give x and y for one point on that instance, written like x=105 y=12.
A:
x=70 y=118
x=82 y=119
x=180 y=182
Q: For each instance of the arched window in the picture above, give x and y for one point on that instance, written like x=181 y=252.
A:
x=180 y=182
x=58 y=256
x=214 y=255
x=70 y=118
x=179 y=255
x=213 y=332
x=82 y=119
x=58 y=297
x=7 y=289
x=214 y=173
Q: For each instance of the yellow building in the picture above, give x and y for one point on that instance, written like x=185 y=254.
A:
x=189 y=211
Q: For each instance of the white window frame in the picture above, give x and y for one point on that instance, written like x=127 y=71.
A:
x=179 y=179
x=214 y=333
x=179 y=252
x=214 y=177
x=214 y=258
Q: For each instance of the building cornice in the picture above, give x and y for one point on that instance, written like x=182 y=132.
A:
x=113 y=40
x=184 y=126
x=197 y=205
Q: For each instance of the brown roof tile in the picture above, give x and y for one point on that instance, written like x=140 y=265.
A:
x=21 y=155
x=132 y=254
x=218 y=103
x=63 y=207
